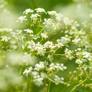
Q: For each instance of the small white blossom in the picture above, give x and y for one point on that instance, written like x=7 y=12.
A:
x=49 y=23
x=48 y=44
x=34 y=16
x=38 y=81
x=69 y=53
x=27 y=71
x=5 y=38
x=21 y=19
x=28 y=31
x=78 y=61
x=40 y=49
x=59 y=17
x=58 y=80
x=39 y=66
x=6 y=30
x=44 y=75
x=44 y=36
x=34 y=74
x=40 y=10
x=28 y=11
x=52 y=13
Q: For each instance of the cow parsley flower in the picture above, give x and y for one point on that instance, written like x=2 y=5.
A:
x=52 y=13
x=27 y=71
x=38 y=81
x=28 y=11
x=39 y=66
x=34 y=17
x=5 y=38
x=28 y=31
x=21 y=19
x=58 y=80
x=69 y=54
x=40 y=10
x=44 y=36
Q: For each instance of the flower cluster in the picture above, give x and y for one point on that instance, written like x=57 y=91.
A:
x=35 y=42
x=43 y=70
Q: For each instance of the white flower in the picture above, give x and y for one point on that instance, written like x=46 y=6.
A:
x=67 y=21
x=39 y=66
x=6 y=30
x=52 y=66
x=44 y=36
x=58 y=80
x=5 y=38
x=27 y=71
x=22 y=19
x=34 y=16
x=59 y=17
x=28 y=11
x=40 y=49
x=40 y=10
x=49 y=23
x=28 y=31
x=52 y=13
x=76 y=40
x=48 y=44
x=78 y=61
x=68 y=54
x=43 y=75
x=31 y=44
x=38 y=81
x=35 y=74
x=59 y=45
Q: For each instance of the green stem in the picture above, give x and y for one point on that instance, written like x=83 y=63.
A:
x=28 y=83
x=49 y=86
x=79 y=84
x=46 y=85
x=41 y=30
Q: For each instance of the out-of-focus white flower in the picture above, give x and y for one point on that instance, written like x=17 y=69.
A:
x=34 y=16
x=44 y=36
x=38 y=81
x=39 y=66
x=59 y=17
x=21 y=19
x=78 y=61
x=44 y=75
x=28 y=11
x=48 y=44
x=52 y=13
x=5 y=38
x=58 y=80
x=27 y=71
x=40 y=10
x=69 y=54
x=28 y=30
x=6 y=30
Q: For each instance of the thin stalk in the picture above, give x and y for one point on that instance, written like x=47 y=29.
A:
x=41 y=30
x=49 y=86
x=46 y=86
x=28 y=83
x=79 y=84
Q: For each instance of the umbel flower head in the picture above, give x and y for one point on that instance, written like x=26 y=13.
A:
x=37 y=47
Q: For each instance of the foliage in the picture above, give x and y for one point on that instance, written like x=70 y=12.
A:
x=38 y=56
